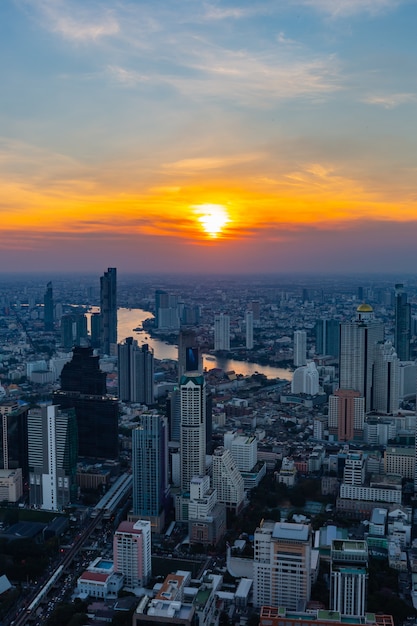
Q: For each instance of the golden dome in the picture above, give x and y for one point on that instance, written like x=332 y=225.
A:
x=364 y=308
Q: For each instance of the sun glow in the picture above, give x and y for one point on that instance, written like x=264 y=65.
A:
x=213 y=218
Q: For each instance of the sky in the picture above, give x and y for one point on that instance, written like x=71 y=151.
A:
x=253 y=136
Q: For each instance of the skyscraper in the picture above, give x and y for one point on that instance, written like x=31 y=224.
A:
x=282 y=563
x=222 y=332
x=300 y=348
x=358 y=339
x=227 y=480
x=193 y=428
x=108 y=311
x=249 y=329
x=14 y=436
x=53 y=452
x=73 y=330
x=150 y=469
x=189 y=357
x=83 y=387
x=346 y=415
x=48 y=304
x=135 y=372
x=402 y=334
x=386 y=388
x=327 y=337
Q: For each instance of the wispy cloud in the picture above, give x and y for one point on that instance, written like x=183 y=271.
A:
x=75 y=22
x=210 y=163
x=346 y=8
x=390 y=101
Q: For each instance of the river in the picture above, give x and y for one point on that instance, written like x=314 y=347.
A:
x=128 y=319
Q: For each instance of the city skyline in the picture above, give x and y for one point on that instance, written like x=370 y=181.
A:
x=233 y=137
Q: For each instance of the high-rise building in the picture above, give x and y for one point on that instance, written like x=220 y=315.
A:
x=402 y=334
x=48 y=308
x=206 y=516
x=249 y=329
x=193 y=428
x=358 y=339
x=132 y=552
x=73 y=330
x=108 y=311
x=53 y=453
x=227 y=480
x=167 y=315
x=346 y=415
x=150 y=470
x=14 y=436
x=244 y=450
x=83 y=387
x=348 y=577
x=222 y=332
x=327 y=337
x=135 y=372
x=306 y=380
x=282 y=565
x=95 y=337
x=189 y=357
x=300 y=348
x=386 y=388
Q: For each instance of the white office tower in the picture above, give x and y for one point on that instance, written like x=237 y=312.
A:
x=132 y=552
x=306 y=380
x=227 y=480
x=244 y=450
x=249 y=329
x=300 y=348
x=348 y=577
x=355 y=470
x=52 y=454
x=282 y=565
x=358 y=339
x=222 y=332
x=386 y=379
x=193 y=429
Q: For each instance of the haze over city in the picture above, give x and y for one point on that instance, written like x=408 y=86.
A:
x=208 y=137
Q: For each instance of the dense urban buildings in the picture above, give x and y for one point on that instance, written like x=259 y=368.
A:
x=258 y=453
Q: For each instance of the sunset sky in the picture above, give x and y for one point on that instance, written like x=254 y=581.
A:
x=217 y=136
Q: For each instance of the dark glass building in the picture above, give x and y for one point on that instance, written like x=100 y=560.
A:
x=73 y=330
x=14 y=437
x=327 y=337
x=83 y=387
x=108 y=309
x=48 y=311
x=402 y=333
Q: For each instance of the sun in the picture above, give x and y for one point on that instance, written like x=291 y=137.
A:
x=213 y=218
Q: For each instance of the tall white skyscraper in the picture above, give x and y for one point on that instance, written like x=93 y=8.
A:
x=53 y=452
x=300 y=348
x=193 y=428
x=222 y=332
x=358 y=339
x=249 y=329
x=282 y=565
